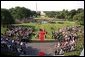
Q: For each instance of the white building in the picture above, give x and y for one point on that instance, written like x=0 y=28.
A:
x=42 y=14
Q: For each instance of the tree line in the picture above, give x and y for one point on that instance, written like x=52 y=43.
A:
x=8 y=16
x=72 y=15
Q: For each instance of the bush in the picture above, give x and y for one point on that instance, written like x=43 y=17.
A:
x=60 y=22
x=79 y=18
x=6 y=17
x=52 y=22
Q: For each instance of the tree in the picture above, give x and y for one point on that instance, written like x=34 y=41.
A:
x=61 y=14
x=38 y=14
x=79 y=10
x=71 y=14
x=6 y=17
x=79 y=18
x=51 y=14
x=34 y=13
x=20 y=12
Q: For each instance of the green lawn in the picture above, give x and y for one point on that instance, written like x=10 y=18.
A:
x=3 y=29
x=49 y=27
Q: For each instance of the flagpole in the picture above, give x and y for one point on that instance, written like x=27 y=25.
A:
x=36 y=6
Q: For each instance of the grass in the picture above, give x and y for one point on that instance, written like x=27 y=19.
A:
x=73 y=53
x=49 y=27
x=3 y=29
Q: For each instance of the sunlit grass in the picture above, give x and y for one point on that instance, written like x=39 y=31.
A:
x=3 y=29
x=49 y=27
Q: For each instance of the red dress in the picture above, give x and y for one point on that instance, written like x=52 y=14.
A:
x=41 y=54
x=42 y=35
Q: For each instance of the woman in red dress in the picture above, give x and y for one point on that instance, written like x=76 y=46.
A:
x=41 y=54
x=42 y=34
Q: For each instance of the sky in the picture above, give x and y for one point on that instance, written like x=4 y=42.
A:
x=44 y=5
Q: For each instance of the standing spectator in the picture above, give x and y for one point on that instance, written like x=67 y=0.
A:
x=41 y=54
x=42 y=34
x=23 y=48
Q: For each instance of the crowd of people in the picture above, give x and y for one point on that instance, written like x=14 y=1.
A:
x=11 y=46
x=12 y=41
x=17 y=32
x=66 y=39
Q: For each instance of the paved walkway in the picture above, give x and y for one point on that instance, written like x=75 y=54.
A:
x=35 y=48
x=47 y=47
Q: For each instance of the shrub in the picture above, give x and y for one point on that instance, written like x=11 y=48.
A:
x=60 y=22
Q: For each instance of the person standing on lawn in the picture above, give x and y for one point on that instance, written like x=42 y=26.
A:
x=42 y=34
